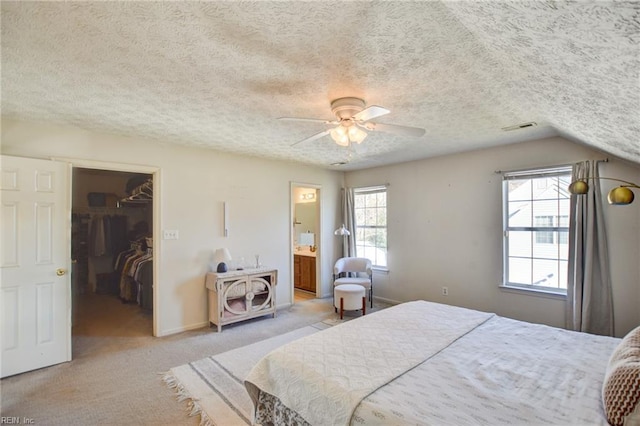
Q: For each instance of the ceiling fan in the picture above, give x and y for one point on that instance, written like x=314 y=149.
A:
x=351 y=118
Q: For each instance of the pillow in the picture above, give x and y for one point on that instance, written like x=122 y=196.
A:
x=621 y=387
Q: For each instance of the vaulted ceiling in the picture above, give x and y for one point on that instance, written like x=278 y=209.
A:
x=219 y=74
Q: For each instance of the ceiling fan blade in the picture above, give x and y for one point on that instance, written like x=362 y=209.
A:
x=370 y=113
x=314 y=137
x=313 y=120
x=415 y=132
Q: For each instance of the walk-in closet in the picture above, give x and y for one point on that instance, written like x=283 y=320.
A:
x=112 y=253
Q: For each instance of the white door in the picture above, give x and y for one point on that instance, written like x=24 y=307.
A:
x=35 y=257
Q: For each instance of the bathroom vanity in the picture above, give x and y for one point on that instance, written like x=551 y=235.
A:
x=304 y=271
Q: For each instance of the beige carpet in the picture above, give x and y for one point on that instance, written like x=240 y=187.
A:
x=213 y=387
x=115 y=377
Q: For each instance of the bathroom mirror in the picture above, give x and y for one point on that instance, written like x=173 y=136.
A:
x=305 y=218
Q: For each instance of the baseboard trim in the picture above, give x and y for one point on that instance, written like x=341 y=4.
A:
x=183 y=329
x=205 y=324
x=385 y=300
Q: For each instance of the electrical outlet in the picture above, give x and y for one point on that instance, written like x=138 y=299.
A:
x=445 y=291
x=170 y=234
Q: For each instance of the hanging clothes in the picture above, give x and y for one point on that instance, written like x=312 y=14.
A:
x=107 y=235
x=145 y=281
x=131 y=265
x=97 y=242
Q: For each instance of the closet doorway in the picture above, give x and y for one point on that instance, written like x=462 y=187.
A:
x=305 y=241
x=112 y=255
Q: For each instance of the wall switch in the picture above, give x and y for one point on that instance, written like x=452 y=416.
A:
x=170 y=234
x=445 y=291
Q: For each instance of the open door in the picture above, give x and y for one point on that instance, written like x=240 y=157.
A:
x=306 y=241
x=35 y=291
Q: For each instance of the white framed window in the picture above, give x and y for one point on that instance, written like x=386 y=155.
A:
x=370 y=209
x=536 y=229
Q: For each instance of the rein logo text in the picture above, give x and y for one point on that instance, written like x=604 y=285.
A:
x=5 y=420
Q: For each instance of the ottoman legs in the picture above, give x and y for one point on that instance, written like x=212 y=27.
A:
x=364 y=306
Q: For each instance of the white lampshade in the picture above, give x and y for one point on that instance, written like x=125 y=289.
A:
x=340 y=136
x=342 y=231
x=222 y=255
x=344 y=135
x=356 y=134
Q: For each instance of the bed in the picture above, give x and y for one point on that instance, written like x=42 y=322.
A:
x=427 y=363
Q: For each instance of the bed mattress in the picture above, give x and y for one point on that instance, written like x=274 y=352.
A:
x=489 y=370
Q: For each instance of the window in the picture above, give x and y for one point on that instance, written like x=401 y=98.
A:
x=544 y=237
x=371 y=224
x=549 y=237
x=536 y=229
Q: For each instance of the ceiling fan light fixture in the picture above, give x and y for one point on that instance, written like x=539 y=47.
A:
x=340 y=135
x=343 y=134
x=356 y=134
x=353 y=123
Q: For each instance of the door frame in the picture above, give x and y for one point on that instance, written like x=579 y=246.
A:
x=157 y=241
x=292 y=213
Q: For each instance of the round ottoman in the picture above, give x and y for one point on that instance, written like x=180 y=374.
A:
x=349 y=297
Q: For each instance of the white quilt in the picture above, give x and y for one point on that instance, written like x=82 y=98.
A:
x=505 y=372
x=325 y=384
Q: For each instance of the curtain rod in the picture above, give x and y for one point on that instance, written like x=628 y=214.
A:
x=500 y=172
x=364 y=188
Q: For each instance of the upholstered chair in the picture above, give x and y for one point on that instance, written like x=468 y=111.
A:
x=354 y=270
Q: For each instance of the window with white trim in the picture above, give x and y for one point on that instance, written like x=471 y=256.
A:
x=370 y=209
x=536 y=229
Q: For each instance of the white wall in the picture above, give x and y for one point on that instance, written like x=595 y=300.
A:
x=194 y=184
x=444 y=220
x=445 y=229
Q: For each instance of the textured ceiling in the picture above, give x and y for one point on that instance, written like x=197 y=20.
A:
x=219 y=74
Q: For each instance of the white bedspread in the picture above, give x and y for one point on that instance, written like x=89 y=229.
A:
x=505 y=372
x=324 y=384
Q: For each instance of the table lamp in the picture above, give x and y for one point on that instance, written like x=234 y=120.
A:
x=220 y=257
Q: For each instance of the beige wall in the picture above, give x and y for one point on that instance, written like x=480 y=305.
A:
x=445 y=229
x=444 y=220
x=194 y=184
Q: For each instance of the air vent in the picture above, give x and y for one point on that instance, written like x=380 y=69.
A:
x=520 y=126
x=339 y=163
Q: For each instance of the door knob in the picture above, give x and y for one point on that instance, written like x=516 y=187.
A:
x=60 y=272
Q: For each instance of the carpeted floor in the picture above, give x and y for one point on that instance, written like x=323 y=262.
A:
x=213 y=387
x=115 y=377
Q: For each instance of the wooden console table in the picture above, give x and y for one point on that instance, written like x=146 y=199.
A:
x=240 y=295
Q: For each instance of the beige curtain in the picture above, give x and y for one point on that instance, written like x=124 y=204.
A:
x=349 y=220
x=589 y=295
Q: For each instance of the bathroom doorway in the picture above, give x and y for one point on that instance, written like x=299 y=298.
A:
x=305 y=241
